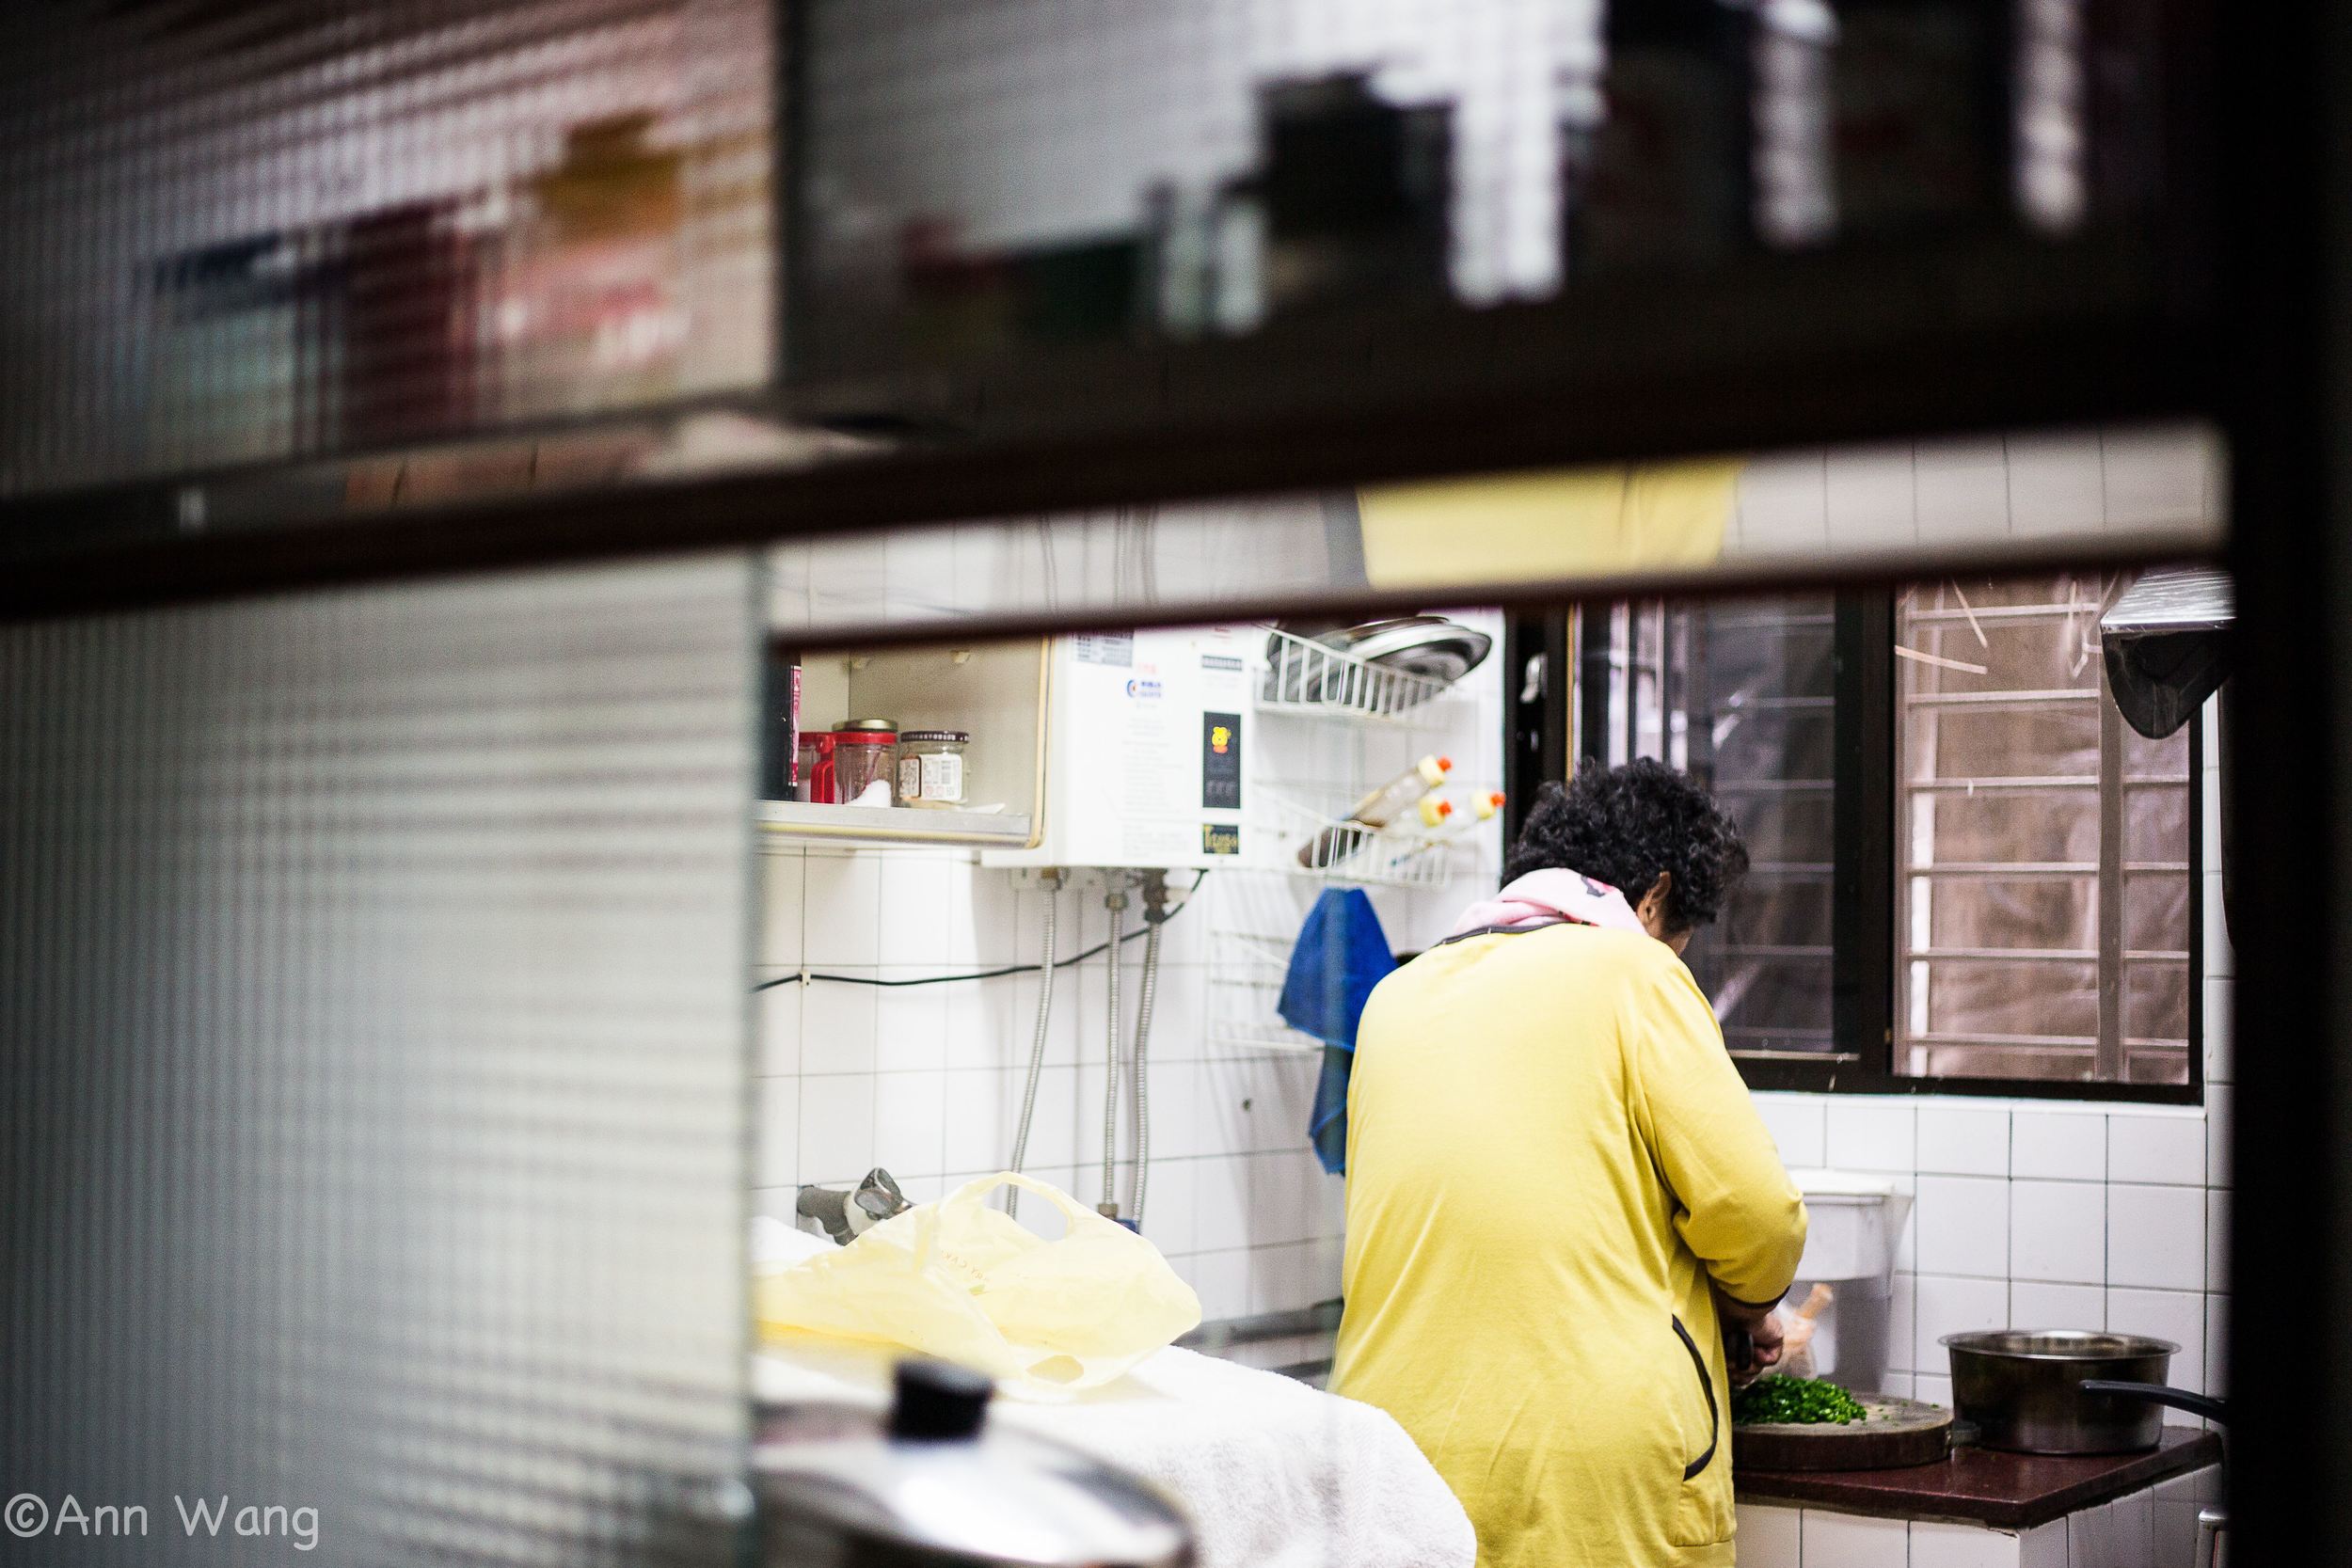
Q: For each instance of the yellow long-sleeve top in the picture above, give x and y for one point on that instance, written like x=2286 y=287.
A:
x=1549 y=1157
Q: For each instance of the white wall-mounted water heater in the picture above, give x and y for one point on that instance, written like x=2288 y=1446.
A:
x=1144 y=733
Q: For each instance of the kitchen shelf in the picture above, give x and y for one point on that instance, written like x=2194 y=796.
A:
x=794 y=824
x=1298 y=676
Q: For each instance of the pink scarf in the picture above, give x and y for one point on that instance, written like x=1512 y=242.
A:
x=1543 y=897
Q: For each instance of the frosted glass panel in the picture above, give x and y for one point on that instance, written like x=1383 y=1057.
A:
x=372 y=1069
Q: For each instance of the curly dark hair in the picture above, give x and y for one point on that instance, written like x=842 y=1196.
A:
x=1623 y=826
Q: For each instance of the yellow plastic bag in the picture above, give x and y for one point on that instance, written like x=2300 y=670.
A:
x=961 y=1280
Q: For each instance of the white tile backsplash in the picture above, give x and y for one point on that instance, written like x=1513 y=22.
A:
x=2058 y=1231
x=2218 y=1241
x=2162 y=1145
x=918 y=913
x=838 y=1028
x=2034 y=1304
x=837 y=1127
x=2220 y=1107
x=779 y=1132
x=2069 y=1145
x=1963 y=1226
x=1866 y=1135
x=777 y=1014
x=1954 y=1305
x=1958 y=1139
x=911 y=1022
x=910 y=1122
x=1797 y=1125
x=780 y=907
x=2175 y=1315
x=2157 y=1237
x=841 y=910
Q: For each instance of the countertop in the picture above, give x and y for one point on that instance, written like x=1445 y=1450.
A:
x=2005 y=1491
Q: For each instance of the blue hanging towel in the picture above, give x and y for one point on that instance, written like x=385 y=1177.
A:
x=1342 y=954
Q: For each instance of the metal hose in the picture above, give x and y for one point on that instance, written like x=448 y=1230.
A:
x=1140 y=1066
x=1117 y=903
x=1037 y=1045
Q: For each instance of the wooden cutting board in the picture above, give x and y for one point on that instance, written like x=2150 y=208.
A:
x=1899 y=1433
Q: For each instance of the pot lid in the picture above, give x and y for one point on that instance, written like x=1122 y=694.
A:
x=1430 y=647
x=935 y=1481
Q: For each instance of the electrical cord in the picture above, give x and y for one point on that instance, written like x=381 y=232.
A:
x=1094 y=952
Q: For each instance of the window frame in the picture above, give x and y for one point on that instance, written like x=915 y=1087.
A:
x=1864 y=970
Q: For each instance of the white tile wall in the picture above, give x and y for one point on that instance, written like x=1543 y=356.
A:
x=2157 y=1237
x=2153 y=1528
x=2153 y=1146
x=1960 y=1139
x=2023 y=486
x=2058 y=1231
x=1872 y=1134
x=1852 y=1541
x=1945 y=1545
x=1963 y=1225
x=2063 y=1145
x=927 y=1080
x=1769 y=1535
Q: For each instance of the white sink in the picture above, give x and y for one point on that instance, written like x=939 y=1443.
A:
x=1856 y=1218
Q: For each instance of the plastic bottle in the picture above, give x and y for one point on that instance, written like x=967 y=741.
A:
x=1375 y=809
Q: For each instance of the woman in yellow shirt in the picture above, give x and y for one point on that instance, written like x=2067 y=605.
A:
x=1557 y=1191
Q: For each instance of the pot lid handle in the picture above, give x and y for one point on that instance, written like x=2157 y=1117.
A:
x=938 y=1402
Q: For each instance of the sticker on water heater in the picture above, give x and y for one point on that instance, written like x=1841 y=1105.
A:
x=1221 y=761
x=1114 y=648
x=1220 y=839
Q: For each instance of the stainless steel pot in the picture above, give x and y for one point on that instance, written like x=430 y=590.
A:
x=2023 y=1390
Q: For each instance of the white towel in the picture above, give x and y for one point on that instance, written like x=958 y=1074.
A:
x=1273 y=1474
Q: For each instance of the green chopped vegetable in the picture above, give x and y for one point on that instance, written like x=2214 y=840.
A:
x=1800 y=1400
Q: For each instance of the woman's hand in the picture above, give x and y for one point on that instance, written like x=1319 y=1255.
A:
x=1759 y=1334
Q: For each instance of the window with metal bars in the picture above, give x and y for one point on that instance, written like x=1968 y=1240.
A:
x=2045 y=873
x=1968 y=873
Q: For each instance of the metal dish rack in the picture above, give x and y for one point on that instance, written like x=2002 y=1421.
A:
x=1300 y=675
x=1246 y=974
x=1344 y=851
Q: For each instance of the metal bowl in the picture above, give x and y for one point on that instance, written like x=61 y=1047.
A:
x=2022 y=1389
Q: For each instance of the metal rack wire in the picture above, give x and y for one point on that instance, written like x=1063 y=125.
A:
x=1303 y=676
x=1246 y=974
x=1310 y=842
